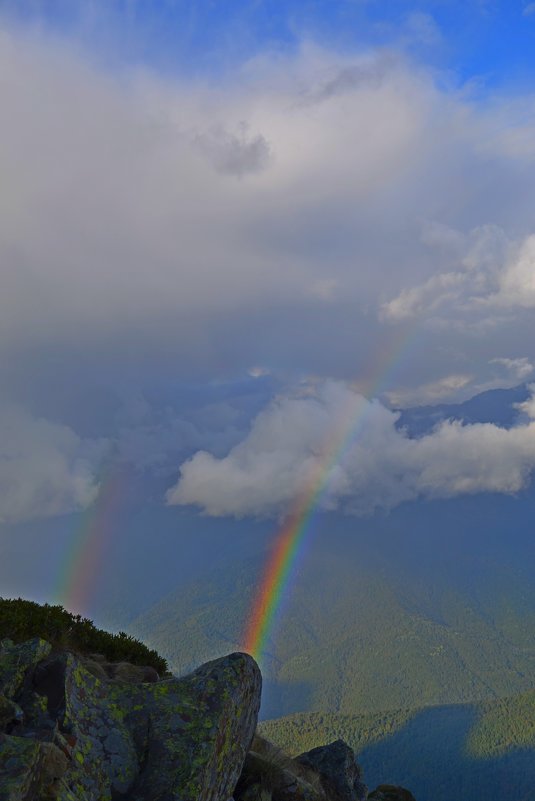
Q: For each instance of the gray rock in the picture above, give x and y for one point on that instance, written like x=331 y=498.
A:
x=276 y=777
x=10 y=714
x=390 y=792
x=88 y=738
x=339 y=773
x=201 y=729
x=29 y=769
x=17 y=662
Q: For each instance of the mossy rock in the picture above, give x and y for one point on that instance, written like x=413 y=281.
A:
x=87 y=737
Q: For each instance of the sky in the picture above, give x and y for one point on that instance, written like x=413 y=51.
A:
x=227 y=227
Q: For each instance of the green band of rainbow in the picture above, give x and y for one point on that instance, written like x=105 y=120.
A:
x=81 y=567
x=279 y=568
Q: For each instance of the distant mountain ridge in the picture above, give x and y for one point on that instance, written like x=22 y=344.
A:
x=496 y=406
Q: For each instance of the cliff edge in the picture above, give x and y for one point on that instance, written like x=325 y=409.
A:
x=70 y=732
x=78 y=726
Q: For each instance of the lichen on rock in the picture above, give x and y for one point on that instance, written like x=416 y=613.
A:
x=77 y=734
x=79 y=728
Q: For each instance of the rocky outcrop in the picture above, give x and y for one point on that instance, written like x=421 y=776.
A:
x=328 y=773
x=81 y=728
x=338 y=771
x=269 y=774
x=390 y=792
x=74 y=732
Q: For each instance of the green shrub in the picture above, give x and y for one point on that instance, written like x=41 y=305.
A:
x=20 y=620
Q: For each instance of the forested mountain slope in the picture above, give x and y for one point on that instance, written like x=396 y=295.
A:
x=431 y=605
x=466 y=752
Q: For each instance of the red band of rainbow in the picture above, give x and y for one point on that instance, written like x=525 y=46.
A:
x=290 y=536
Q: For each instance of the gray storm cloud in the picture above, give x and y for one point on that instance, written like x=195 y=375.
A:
x=376 y=465
x=234 y=153
x=303 y=214
x=141 y=213
x=45 y=468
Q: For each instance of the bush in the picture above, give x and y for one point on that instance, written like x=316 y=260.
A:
x=20 y=620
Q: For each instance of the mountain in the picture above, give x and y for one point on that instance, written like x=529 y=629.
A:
x=465 y=751
x=431 y=604
x=498 y=406
x=434 y=604
x=76 y=725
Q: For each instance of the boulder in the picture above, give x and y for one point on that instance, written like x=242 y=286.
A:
x=10 y=714
x=390 y=792
x=201 y=729
x=339 y=773
x=29 y=769
x=17 y=663
x=77 y=736
x=276 y=777
x=132 y=674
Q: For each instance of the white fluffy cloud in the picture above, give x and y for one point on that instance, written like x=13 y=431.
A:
x=492 y=275
x=519 y=368
x=528 y=407
x=351 y=446
x=45 y=468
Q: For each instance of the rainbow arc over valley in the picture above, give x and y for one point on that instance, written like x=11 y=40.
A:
x=288 y=542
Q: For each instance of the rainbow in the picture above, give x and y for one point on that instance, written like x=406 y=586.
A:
x=284 y=555
x=79 y=572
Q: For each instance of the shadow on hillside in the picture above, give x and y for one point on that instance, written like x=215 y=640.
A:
x=428 y=755
x=284 y=698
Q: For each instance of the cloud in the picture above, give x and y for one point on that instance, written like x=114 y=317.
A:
x=528 y=407
x=291 y=445
x=529 y=10
x=520 y=368
x=506 y=372
x=439 y=236
x=161 y=228
x=367 y=73
x=421 y=28
x=517 y=280
x=493 y=274
x=258 y=371
x=445 y=387
x=45 y=468
x=234 y=154
x=425 y=299
x=156 y=442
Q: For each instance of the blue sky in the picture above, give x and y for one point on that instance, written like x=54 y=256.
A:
x=224 y=225
x=493 y=41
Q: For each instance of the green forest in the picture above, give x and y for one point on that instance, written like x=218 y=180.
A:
x=459 y=751
x=372 y=639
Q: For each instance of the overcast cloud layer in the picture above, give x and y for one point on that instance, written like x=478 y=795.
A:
x=303 y=216
x=141 y=214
